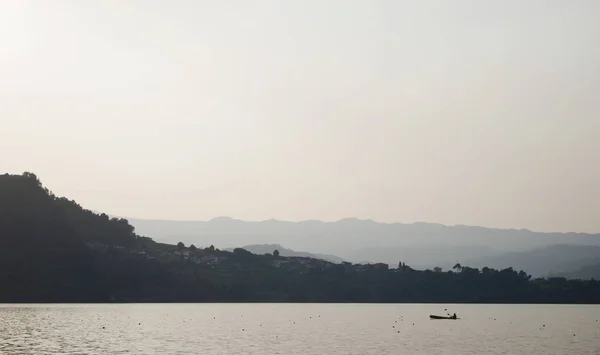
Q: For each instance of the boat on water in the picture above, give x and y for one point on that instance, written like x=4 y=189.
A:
x=443 y=317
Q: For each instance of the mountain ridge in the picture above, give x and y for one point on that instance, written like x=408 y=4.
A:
x=355 y=219
x=421 y=244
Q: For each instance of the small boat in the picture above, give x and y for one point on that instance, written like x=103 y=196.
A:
x=442 y=317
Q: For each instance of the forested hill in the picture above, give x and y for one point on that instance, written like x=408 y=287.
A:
x=53 y=250
x=44 y=252
x=31 y=216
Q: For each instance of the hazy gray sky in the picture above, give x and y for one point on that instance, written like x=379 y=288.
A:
x=472 y=112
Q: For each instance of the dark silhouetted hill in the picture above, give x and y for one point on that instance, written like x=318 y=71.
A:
x=261 y=249
x=44 y=255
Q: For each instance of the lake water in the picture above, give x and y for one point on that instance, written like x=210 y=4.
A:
x=289 y=329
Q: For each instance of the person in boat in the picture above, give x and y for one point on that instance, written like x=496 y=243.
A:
x=453 y=316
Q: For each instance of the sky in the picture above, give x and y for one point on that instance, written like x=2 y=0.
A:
x=457 y=112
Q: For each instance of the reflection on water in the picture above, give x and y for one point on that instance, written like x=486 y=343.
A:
x=297 y=329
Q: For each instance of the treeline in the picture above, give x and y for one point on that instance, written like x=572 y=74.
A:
x=45 y=256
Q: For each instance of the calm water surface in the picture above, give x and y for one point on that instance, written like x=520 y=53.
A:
x=289 y=329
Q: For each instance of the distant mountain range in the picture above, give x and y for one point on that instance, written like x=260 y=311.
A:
x=586 y=272
x=546 y=261
x=421 y=245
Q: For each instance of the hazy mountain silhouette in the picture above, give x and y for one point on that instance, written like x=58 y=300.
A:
x=261 y=249
x=552 y=260
x=585 y=272
x=419 y=244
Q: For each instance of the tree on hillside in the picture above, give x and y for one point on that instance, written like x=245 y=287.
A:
x=32 y=177
x=437 y=269
x=193 y=248
x=180 y=246
x=276 y=252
